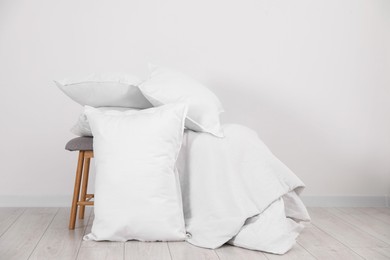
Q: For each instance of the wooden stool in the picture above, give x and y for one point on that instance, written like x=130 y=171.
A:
x=85 y=147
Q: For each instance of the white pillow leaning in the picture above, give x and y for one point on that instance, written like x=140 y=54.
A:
x=165 y=86
x=106 y=90
x=82 y=127
x=137 y=191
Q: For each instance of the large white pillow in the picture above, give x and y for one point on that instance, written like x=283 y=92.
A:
x=165 y=86
x=82 y=128
x=137 y=191
x=106 y=90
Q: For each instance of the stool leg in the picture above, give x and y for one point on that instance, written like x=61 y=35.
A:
x=76 y=191
x=84 y=186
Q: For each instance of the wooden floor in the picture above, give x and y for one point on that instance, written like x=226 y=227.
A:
x=335 y=233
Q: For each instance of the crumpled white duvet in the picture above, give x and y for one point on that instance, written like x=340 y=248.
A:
x=235 y=190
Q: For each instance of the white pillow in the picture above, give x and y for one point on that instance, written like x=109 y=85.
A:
x=137 y=191
x=82 y=128
x=106 y=90
x=166 y=86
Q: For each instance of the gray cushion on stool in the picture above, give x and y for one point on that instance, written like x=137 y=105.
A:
x=80 y=144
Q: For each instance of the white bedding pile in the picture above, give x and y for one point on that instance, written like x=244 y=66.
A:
x=225 y=185
x=235 y=190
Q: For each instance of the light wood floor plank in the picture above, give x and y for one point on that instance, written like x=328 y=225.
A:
x=184 y=250
x=21 y=238
x=379 y=253
x=228 y=252
x=296 y=253
x=382 y=214
x=8 y=217
x=312 y=236
x=344 y=232
x=100 y=250
x=325 y=253
x=135 y=250
x=59 y=242
x=365 y=222
x=323 y=246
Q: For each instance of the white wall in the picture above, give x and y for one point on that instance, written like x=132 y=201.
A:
x=312 y=77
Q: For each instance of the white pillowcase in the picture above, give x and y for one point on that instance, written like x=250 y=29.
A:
x=137 y=191
x=166 y=86
x=82 y=127
x=106 y=90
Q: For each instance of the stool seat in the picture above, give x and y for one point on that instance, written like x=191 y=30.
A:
x=83 y=143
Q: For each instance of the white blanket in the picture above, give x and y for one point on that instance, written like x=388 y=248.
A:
x=235 y=190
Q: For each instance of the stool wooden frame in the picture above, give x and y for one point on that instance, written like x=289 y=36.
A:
x=81 y=182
